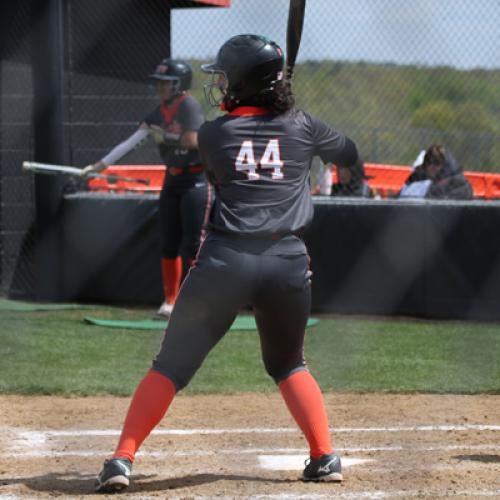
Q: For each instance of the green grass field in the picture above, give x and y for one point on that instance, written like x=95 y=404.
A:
x=55 y=352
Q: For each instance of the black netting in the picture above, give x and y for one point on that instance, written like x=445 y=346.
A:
x=395 y=76
x=16 y=145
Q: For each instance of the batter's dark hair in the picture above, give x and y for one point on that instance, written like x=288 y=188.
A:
x=277 y=100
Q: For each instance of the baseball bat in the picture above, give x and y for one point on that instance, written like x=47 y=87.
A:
x=295 y=24
x=49 y=169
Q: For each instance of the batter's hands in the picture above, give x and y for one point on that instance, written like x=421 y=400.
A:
x=91 y=169
x=162 y=137
x=157 y=133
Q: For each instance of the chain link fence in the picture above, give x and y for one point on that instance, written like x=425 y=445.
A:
x=395 y=76
x=16 y=145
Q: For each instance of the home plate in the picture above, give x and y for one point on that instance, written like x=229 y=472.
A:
x=296 y=462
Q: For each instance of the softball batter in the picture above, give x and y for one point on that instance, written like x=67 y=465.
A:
x=186 y=197
x=257 y=156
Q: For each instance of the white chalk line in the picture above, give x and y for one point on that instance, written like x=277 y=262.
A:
x=253 y=451
x=354 y=495
x=379 y=494
x=331 y=495
x=35 y=439
x=39 y=436
x=296 y=462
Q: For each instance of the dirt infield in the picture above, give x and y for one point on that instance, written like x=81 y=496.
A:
x=246 y=446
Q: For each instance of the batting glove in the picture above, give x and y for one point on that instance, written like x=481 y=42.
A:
x=162 y=137
x=91 y=169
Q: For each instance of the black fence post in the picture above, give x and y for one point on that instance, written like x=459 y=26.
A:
x=48 y=73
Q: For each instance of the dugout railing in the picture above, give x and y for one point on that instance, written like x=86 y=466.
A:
x=384 y=180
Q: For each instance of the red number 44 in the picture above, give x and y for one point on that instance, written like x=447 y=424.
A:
x=245 y=162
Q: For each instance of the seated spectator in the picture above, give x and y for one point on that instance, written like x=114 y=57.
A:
x=325 y=177
x=417 y=184
x=438 y=177
x=351 y=181
x=417 y=172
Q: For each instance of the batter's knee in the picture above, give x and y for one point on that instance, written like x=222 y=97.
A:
x=179 y=379
x=170 y=253
x=171 y=242
x=170 y=248
x=280 y=376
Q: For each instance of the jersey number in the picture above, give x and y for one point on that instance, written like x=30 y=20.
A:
x=245 y=162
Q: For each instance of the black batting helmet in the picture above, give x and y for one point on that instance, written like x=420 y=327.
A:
x=175 y=70
x=251 y=65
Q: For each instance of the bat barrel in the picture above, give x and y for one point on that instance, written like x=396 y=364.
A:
x=49 y=169
x=295 y=25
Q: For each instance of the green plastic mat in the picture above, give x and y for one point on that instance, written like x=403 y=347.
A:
x=240 y=323
x=18 y=306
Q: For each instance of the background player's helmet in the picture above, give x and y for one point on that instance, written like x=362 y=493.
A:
x=179 y=72
x=251 y=64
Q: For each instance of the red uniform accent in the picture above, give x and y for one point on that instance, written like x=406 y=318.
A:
x=305 y=402
x=249 y=111
x=171 y=270
x=193 y=169
x=148 y=406
x=168 y=112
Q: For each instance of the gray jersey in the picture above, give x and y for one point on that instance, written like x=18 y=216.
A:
x=259 y=165
x=182 y=115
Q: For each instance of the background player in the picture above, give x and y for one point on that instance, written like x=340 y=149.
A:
x=258 y=158
x=186 y=197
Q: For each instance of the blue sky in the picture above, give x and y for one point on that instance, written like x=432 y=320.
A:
x=461 y=33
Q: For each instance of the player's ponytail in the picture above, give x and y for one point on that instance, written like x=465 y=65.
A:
x=280 y=99
x=277 y=100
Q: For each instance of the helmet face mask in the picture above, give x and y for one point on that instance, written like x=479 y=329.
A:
x=176 y=71
x=251 y=64
x=216 y=90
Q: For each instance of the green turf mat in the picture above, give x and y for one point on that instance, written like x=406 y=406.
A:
x=240 y=323
x=18 y=306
